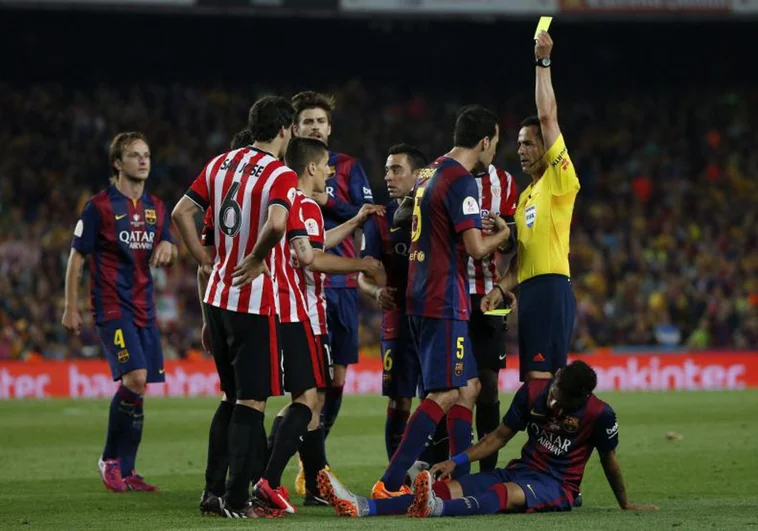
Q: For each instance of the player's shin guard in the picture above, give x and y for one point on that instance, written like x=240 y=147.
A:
x=493 y=501
x=394 y=427
x=218 y=449
x=418 y=433
x=313 y=456
x=459 y=429
x=331 y=408
x=290 y=435
x=487 y=421
x=247 y=452
x=131 y=418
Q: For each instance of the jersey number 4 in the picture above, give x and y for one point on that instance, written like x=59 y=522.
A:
x=230 y=217
x=416 y=225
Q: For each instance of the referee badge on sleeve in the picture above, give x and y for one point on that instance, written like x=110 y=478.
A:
x=530 y=214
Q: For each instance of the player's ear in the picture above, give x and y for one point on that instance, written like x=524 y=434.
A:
x=485 y=143
x=310 y=168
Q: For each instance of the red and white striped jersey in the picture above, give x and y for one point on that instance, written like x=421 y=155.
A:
x=291 y=288
x=497 y=194
x=315 y=297
x=238 y=187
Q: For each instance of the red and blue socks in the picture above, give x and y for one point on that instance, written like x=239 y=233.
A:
x=460 y=435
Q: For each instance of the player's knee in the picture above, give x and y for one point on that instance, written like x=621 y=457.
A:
x=516 y=498
x=135 y=381
x=401 y=403
x=445 y=399
x=340 y=373
x=469 y=393
x=309 y=398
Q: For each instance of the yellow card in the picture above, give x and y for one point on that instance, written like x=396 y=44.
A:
x=499 y=311
x=543 y=24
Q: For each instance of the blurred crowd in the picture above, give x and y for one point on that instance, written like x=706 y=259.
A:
x=664 y=250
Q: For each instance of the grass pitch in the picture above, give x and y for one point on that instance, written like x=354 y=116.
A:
x=49 y=479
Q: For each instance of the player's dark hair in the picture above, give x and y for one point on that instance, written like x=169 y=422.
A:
x=119 y=142
x=267 y=116
x=303 y=150
x=576 y=382
x=534 y=121
x=241 y=139
x=473 y=123
x=416 y=157
x=313 y=100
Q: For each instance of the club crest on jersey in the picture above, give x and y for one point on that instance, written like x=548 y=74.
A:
x=470 y=206
x=150 y=216
x=459 y=368
x=123 y=355
x=571 y=424
x=291 y=195
x=530 y=215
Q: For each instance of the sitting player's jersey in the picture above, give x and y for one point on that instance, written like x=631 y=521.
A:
x=390 y=245
x=497 y=195
x=119 y=235
x=313 y=281
x=560 y=447
x=348 y=190
x=445 y=205
x=291 y=289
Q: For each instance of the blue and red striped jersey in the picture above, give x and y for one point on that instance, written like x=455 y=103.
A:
x=560 y=446
x=445 y=205
x=119 y=236
x=348 y=190
x=390 y=246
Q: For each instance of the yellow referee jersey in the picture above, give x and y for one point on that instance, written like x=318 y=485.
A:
x=543 y=217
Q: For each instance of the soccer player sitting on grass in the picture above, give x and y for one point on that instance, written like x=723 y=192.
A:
x=565 y=422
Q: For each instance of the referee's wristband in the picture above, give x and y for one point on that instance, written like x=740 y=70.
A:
x=460 y=459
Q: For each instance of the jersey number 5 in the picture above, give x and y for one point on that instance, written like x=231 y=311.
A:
x=459 y=351
x=416 y=224
x=230 y=218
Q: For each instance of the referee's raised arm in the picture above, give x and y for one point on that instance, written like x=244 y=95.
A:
x=547 y=108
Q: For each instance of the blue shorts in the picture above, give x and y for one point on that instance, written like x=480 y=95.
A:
x=401 y=372
x=342 y=321
x=546 y=313
x=444 y=352
x=129 y=347
x=543 y=492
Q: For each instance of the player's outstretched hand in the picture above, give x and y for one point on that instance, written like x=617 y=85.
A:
x=386 y=298
x=72 y=321
x=163 y=255
x=443 y=470
x=248 y=270
x=634 y=507
x=543 y=45
x=369 y=210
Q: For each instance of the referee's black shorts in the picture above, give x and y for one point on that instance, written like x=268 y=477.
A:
x=246 y=351
x=546 y=313
x=487 y=333
x=304 y=363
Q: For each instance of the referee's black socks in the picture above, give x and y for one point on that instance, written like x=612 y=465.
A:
x=487 y=421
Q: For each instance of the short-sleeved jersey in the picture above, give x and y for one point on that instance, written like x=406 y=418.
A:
x=561 y=446
x=291 y=289
x=497 y=195
x=445 y=205
x=239 y=186
x=119 y=235
x=390 y=245
x=315 y=298
x=348 y=190
x=543 y=217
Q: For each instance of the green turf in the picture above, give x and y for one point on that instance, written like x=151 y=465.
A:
x=49 y=449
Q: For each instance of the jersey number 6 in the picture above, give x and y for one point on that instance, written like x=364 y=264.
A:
x=230 y=218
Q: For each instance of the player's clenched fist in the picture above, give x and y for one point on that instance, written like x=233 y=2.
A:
x=443 y=470
x=543 y=45
x=72 y=320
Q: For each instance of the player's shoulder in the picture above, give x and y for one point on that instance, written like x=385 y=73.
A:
x=341 y=158
x=536 y=387
x=599 y=408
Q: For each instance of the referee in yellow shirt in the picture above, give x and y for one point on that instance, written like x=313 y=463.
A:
x=546 y=304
